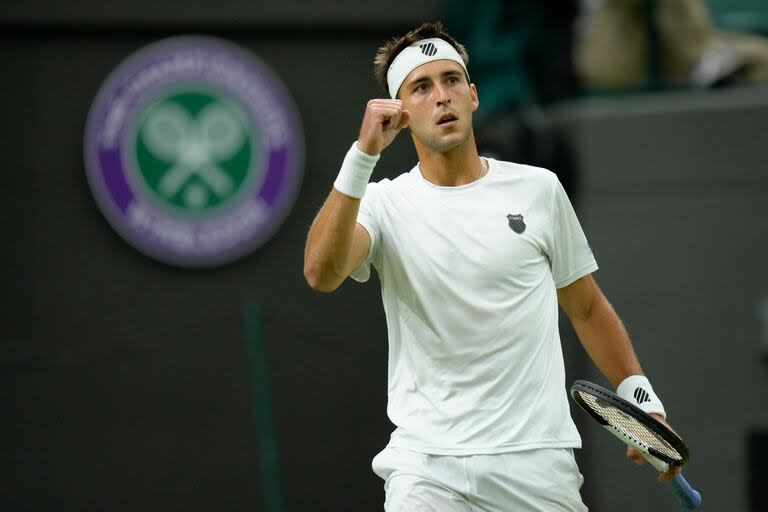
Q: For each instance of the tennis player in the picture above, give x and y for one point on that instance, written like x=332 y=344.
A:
x=473 y=255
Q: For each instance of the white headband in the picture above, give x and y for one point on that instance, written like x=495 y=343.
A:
x=417 y=54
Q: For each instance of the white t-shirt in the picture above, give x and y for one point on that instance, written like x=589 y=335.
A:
x=468 y=286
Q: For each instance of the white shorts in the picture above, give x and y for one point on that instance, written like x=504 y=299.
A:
x=546 y=479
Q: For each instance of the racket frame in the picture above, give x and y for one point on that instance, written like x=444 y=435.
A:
x=654 y=425
x=689 y=498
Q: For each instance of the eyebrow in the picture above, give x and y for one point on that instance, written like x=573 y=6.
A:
x=444 y=74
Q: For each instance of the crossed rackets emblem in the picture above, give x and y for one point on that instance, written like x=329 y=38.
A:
x=195 y=147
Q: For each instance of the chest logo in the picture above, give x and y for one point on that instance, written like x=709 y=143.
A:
x=516 y=223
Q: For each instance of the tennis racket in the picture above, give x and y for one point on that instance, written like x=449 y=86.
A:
x=652 y=439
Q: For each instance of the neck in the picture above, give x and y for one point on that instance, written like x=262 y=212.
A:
x=458 y=166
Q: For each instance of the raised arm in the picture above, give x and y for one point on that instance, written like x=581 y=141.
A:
x=336 y=243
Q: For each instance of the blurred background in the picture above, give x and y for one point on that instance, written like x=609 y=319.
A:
x=129 y=384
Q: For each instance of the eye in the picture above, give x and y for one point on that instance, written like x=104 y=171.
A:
x=421 y=87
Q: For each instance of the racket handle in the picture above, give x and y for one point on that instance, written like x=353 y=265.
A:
x=689 y=497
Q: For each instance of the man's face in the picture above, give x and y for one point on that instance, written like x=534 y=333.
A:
x=440 y=103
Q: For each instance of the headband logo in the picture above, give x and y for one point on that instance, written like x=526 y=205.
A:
x=428 y=49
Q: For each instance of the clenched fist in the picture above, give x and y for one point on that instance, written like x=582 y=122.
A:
x=382 y=121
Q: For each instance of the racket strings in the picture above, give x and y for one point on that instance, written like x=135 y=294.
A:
x=630 y=427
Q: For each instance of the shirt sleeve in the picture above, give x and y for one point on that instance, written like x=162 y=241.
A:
x=569 y=253
x=368 y=217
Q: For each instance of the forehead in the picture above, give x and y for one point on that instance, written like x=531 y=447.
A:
x=433 y=69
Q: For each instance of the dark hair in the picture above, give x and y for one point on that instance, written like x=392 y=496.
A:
x=387 y=53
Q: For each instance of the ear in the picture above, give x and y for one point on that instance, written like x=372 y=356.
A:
x=475 y=98
x=405 y=117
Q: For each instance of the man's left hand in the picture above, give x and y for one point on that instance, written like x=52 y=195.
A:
x=633 y=454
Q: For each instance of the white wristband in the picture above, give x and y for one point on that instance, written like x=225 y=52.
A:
x=637 y=390
x=355 y=172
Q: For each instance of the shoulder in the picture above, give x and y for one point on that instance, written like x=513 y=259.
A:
x=530 y=175
x=516 y=170
x=387 y=186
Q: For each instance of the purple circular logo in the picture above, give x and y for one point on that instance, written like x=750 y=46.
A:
x=194 y=151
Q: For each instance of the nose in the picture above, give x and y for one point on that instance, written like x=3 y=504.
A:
x=442 y=96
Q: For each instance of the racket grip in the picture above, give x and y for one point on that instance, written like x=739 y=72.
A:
x=689 y=497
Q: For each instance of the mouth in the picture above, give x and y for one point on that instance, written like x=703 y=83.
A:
x=446 y=119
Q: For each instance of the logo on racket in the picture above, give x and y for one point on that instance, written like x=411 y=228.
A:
x=641 y=395
x=516 y=223
x=194 y=151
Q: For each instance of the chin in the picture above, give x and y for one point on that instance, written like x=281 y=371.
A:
x=442 y=143
x=448 y=142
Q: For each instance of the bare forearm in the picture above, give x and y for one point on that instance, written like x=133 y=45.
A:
x=329 y=241
x=334 y=244
x=605 y=339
